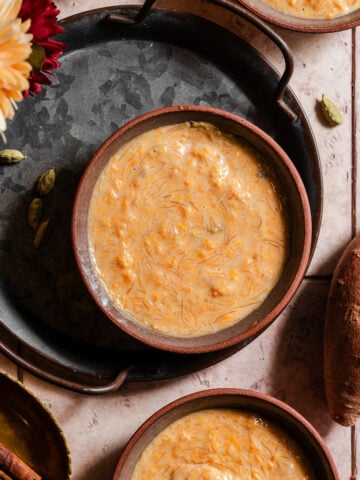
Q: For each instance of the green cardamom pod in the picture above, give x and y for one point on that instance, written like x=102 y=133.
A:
x=34 y=212
x=331 y=111
x=41 y=232
x=46 y=182
x=11 y=156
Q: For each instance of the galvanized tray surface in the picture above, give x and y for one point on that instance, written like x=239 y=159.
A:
x=111 y=73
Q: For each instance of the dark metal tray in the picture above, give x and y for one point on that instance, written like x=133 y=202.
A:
x=111 y=73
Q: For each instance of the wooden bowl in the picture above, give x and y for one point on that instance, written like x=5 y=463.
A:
x=298 y=24
x=30 y=431
x=268 y=408
x=299 y=235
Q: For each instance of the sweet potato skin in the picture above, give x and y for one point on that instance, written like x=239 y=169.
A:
x=342 y=338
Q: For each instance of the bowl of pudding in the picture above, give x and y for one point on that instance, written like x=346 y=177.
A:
x=312 y=16
x=191 y=229
x=226 y=434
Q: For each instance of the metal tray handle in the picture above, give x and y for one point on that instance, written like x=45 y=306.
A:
x=254 y=20
x=109 y=387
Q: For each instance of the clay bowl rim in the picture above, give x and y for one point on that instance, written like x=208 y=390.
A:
x=276 y=411
x=223 y=338
x=299 y=24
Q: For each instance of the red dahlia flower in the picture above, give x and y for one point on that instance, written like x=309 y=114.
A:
x=45 y=53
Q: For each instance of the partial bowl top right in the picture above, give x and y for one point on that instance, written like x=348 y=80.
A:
x=312 y=16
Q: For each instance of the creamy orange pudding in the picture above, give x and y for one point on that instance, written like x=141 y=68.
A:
x=222 y=444
x=314 y=9
x=187 y=229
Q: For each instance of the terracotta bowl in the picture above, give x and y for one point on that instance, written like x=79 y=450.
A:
x=289 y=22
x=299 y=243
x=269 y=408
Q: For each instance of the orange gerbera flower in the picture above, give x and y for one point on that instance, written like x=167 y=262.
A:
x=15 y=48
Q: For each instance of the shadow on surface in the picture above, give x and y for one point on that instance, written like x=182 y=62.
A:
x=297 y=365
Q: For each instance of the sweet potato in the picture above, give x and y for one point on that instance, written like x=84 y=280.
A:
x=342 y=338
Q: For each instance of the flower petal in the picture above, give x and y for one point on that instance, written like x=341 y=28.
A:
x=15 y=48
x=43 y=16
